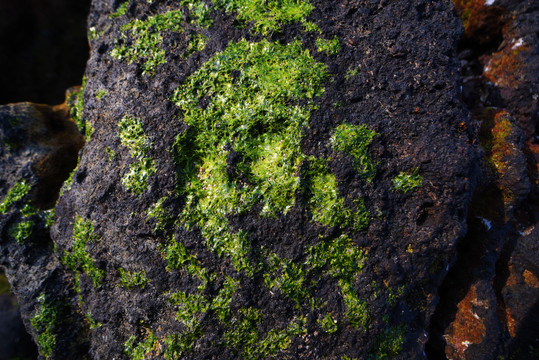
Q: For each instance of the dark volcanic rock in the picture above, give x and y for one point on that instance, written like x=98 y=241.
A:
x=39 y=149
x=214 y=214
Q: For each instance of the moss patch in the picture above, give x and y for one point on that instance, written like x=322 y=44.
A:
x=270 y=15
x=355 y=140
x=130 y=279
x=407 y=182
x=143 y=40
x=79 y=258
x=16 y=193
x=45 y=321
x=133 y=137
x=21 y=231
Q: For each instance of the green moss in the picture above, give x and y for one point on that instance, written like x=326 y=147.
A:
x=21 y=231
x=28 y=210
x=139 y=173
x=76 y=103
x=45 y=321
x=407 y=182
x=326 y=206
x=356 y=308
x=269 y=15
x=197 y=42
x=180 y=343
x=143 y=40
x=221 y=303
x=140 y=350
x=246 y=339
x=121 y=11
x=389 y=343
x=111 y=153
x=330 y=47
x=352 y=72
x=130 y=280
x=178 y=257
x=93 y=324
x=16 y=193
x=133 y=137
x=93 y=34
x=79 y=258
x=289 y=278
x=271 y=78
x=191 y=307
x=355 y=140
x=199 y=13
x=328 y=324
x=101 y=93
x=159 y=213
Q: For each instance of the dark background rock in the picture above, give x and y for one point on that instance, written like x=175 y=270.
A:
x=43 y=49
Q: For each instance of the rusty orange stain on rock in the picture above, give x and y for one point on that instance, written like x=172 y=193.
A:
x=505 y=67
x=468 y=328
x=530 y=279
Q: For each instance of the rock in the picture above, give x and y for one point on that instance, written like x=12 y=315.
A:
x=39 y=149
x=305 y=202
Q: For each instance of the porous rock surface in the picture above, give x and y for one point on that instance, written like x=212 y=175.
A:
x=244 y=305
x=170 y=245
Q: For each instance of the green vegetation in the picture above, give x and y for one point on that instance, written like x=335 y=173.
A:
x=244 y=335
x=101 y=93
x=191 y=307
x=181 y=343
x=352 y=72
x=199 y=13
x=133 y=137
x=389 y=343
x=76 y=103
x=132 y=279
x=21 y=231
x=326 y=205
x=49 y=217
x=121 y=11
x=146 y=40
x=93 y=324
x=16 y=193
x=269 y=15
x=330 y=47
x=45 y=322
x=111 y=153
x=328 y=324
x=197 y=42
x=28 y=210
x=83 y=232
x=407 y=182
x=142 y=349
x=355 y=140
x=253 y=114
x=159 y=213
x=178 y=257
x=289 y=278
x=342 y=259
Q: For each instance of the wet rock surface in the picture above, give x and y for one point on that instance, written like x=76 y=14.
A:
x=304 y=183
x=394 y=74
x=498 y=55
